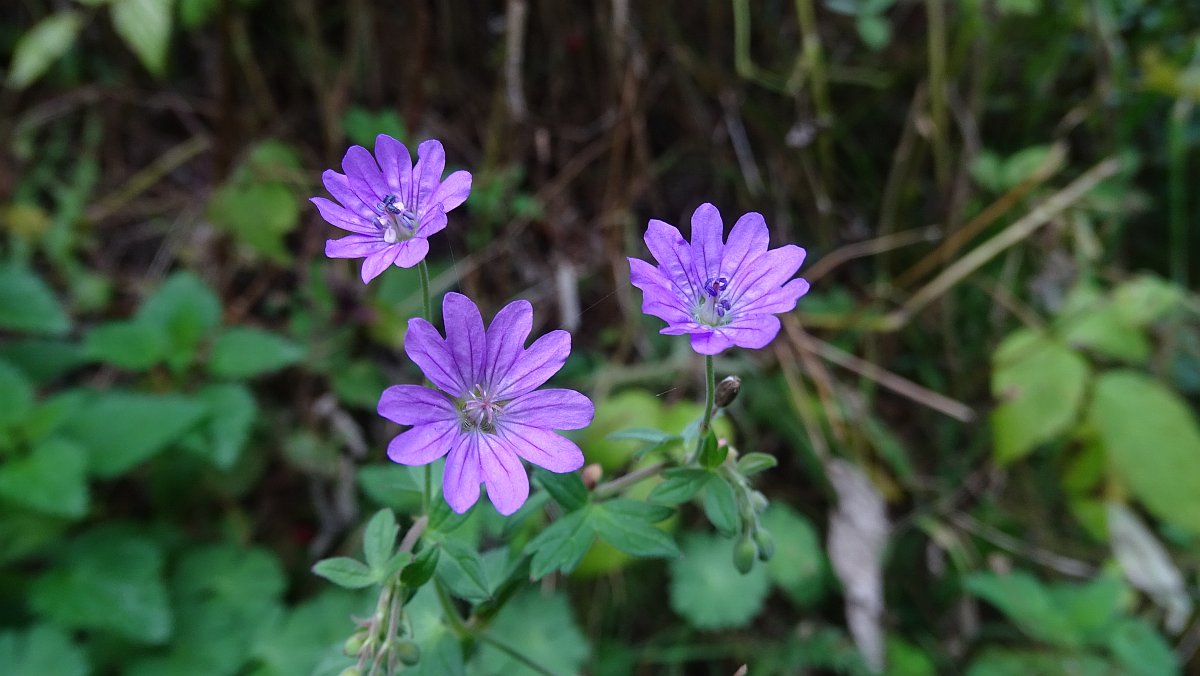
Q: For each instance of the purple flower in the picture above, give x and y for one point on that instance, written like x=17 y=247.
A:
x=488 y=414
x=390 y=207
x=723 y=294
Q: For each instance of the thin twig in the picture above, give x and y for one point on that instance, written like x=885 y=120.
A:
x=621 y=483
x=1058 y=562
x=514 y=50
x=1018 y=232
x=1055 y=160
x=898 y=384
x=870 y=247
x=414 y=533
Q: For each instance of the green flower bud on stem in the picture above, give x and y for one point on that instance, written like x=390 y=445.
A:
x=408 y=652
x=744 y=554
x=355 y=643
x=766 y=544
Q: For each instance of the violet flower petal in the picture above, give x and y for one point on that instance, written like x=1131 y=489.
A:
x=415 y=405
x=535 y=365
x=505 y=478
x=342 y=217
x=410 y=252
x=354 y=246
x=339 y=186
x=543 y=448
x=423 y=444
x=363 y=175
x=453 y=191
x=460 y=481
x=506 y=337
x=747 y=241
x=707 y=230
x=395 y=163
x=429 y=352
x=674 y=256
x=376 y=263
x=465 y=336
x=552 y=409
x=432 y=222
x=431 y=162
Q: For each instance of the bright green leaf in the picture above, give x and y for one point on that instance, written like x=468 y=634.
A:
x=562 y=544
x=27 y=305
x=1145 y=299
x=187 y=310
x=541 y=628
x=720 y=506
x=460 y=568
x=708 y=592
x=258 y=214
x=294 y=643
x=122 y=429
x=232 y=411
x=1153 y=443
x=129 y=345
x=566 y=489
x=995 y=662
x=379 y=539
x=41 y=46
x=345 y=572
x=16 y=396
x=107 y=580
x=196 y=13
x=392 y=485
x=630 y=534
x=1041 y=383
x=798 y=566
x=145 y=26
x=753 y=463
x=243 y=352
x=874 y=30
x=52 y=479
x=1141 y=650
x=1103 y=330
x=42 y=360
x=680 y=485
x=40 y=651
x=1028 y=604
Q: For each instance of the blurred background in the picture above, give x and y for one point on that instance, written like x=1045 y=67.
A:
x=984 y=412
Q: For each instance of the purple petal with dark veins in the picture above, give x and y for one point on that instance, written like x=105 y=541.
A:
x=460 y=482
x=552 y=409
x=415 y=405
x=429 y=352
x=424 y=443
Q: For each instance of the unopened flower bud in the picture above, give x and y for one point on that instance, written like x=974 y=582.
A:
x=350 y=671
x=591 y=475
x=355 y=643
x=766 y=544
x=758 y=500
x=744 y=554
x=408 y=652
x=727 y=391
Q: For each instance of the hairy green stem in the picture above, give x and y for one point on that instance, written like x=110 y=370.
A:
x=710 y=393
x=427 y=313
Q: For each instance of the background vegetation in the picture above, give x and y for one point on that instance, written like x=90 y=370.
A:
x=985 y=411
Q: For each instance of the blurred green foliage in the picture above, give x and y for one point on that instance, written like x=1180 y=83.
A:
x=187 y=388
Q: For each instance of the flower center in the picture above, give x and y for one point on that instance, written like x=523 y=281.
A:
x=479 y=410
x=713 y=308
x=396 y=222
